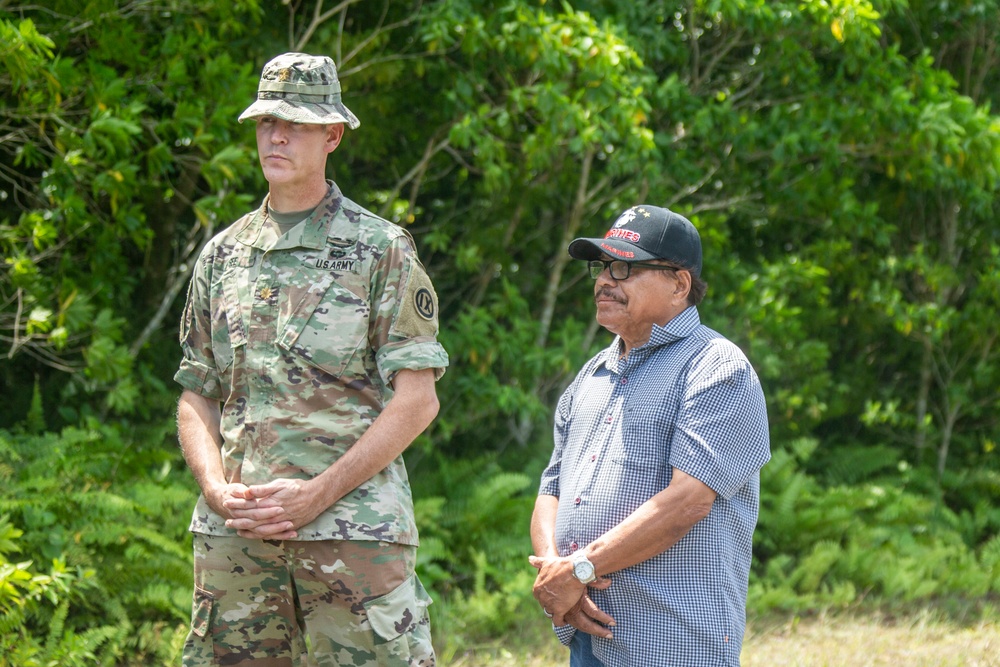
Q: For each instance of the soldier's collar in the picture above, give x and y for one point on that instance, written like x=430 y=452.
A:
x=311 y=233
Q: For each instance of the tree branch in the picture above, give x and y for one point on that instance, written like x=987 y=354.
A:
x=433 y=148
x=17 y=325
x=561 y=257
x=319 y=18
x=177 y=283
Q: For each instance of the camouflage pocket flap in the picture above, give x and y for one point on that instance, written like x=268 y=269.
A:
x=201 y=615
x=399 y=611
x=326 y=324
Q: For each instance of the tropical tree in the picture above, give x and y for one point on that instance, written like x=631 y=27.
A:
x=840 y=159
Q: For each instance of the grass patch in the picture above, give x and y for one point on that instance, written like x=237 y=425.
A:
x=873 y=637
x=925 y=638
x=532 y=644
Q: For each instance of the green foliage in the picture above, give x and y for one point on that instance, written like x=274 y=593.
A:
x=110 y=515
x=823 y=546
x=117 y=166
x=500 y=387
x=474 y=547
x=841 y=160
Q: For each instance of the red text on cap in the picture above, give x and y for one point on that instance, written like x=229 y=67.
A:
x=626 y=234
x=616 y=251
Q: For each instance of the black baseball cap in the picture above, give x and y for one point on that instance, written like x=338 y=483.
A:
x=643 y=233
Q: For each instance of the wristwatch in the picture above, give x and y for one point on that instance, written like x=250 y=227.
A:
x=583 y=569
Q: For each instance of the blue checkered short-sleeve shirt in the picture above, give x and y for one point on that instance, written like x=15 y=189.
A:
x=688 y=399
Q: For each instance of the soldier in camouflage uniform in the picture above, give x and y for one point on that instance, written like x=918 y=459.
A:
x=309 y=362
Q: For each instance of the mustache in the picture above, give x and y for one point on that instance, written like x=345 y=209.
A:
x=607 y=293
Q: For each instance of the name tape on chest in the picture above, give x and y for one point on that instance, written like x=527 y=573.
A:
x=341 y=265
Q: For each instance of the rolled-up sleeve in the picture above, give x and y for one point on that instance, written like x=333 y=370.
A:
x=404 y=322
x=197 y=370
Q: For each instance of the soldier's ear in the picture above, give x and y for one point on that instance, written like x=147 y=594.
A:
x=334 y=133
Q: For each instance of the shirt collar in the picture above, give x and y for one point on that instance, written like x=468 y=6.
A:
x=678 y=328
x=311 y=233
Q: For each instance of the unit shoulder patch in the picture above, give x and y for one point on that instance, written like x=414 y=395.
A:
x=423 y=301
x=418 y=307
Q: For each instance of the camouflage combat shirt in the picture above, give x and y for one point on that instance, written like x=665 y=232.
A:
x=298 y=337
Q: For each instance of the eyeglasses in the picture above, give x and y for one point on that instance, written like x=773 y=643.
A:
x=620 y=269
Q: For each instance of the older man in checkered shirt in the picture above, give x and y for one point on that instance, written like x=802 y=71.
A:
x=644 y=521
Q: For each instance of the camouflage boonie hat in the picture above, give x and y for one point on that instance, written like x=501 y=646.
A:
x=301 y=88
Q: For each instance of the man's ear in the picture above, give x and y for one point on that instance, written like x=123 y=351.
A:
x=334 y=133
x=682 y=286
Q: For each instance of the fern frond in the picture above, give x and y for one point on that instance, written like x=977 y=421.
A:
x=499 y=488
x=57 y=623
x=10 y=620
x=852 y=464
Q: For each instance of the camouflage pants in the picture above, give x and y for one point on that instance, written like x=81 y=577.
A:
x=263 y=602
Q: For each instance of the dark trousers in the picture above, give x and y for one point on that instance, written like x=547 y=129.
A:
x=581 y=654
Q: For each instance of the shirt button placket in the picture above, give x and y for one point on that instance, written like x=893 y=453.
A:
x=263 y=321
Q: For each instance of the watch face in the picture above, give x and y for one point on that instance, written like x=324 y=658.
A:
x=584 y=570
